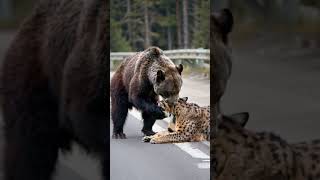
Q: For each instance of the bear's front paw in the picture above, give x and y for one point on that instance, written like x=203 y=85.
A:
x=148 y=132
x=120 y=135
x=146 y=138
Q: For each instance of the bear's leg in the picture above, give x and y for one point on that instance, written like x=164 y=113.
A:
x=104 y=165
x=148 y=122
x=119 y=111
x=30 y=158
x=31 y=135
x=31 y=143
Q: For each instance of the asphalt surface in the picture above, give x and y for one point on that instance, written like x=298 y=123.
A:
x=133 y=159
x=279 y=88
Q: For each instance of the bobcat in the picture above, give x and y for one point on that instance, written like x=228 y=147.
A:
x=192 y=123
x=248 y=155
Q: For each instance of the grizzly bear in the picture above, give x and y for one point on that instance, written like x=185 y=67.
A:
x=138 y=82
x=54 y=89
x=221 y=24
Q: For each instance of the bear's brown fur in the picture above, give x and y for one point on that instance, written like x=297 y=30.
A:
x=138 y=82
x=54 y=87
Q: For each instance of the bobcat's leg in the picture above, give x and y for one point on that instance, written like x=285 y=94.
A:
x=171 y=137
x=148 y=138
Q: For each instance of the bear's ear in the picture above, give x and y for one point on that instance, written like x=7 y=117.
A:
x=224 y=20
x=180 y=68
x=160 y=76
x=185 y=99
x=154 y=51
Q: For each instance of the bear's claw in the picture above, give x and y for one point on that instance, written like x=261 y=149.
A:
x=119 y=136
x=146 y=138
x=148 y=132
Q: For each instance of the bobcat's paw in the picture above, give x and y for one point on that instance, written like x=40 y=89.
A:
x=154 y=141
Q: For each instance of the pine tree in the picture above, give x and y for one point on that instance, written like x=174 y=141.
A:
x=201 y=30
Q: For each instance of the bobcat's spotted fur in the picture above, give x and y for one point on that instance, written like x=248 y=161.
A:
x=248 y=155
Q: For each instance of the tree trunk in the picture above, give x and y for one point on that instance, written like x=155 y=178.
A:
x=196 y=22
x=289 y=10
x=146 y=26
x=216 y=5
x=185 y=24
x=5 y=9
x=178 y=19
x=169 y=38
x=129 y=22
x=255 y=7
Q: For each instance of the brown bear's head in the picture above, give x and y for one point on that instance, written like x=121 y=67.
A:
x=164 y=75
x=222 y=24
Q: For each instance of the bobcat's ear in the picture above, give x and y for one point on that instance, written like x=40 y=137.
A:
x=241 y=118
x=185 y=99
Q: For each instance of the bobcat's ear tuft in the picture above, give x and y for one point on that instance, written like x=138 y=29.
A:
x=185 y=99
x=241 y=118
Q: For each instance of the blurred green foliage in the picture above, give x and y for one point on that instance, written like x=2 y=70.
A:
x=128 y=18
x=19 y=9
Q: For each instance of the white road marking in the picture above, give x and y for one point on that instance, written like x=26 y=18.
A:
x=204 y=165
x=76 y=160
x=206 y=143
x=194 y=152
x=186 y=147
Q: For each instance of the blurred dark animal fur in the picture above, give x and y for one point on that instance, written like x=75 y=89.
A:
x=54 y=87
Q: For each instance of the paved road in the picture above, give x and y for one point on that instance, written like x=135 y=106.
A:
x=133 y=159
x=280 y=90
x=141 y=161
